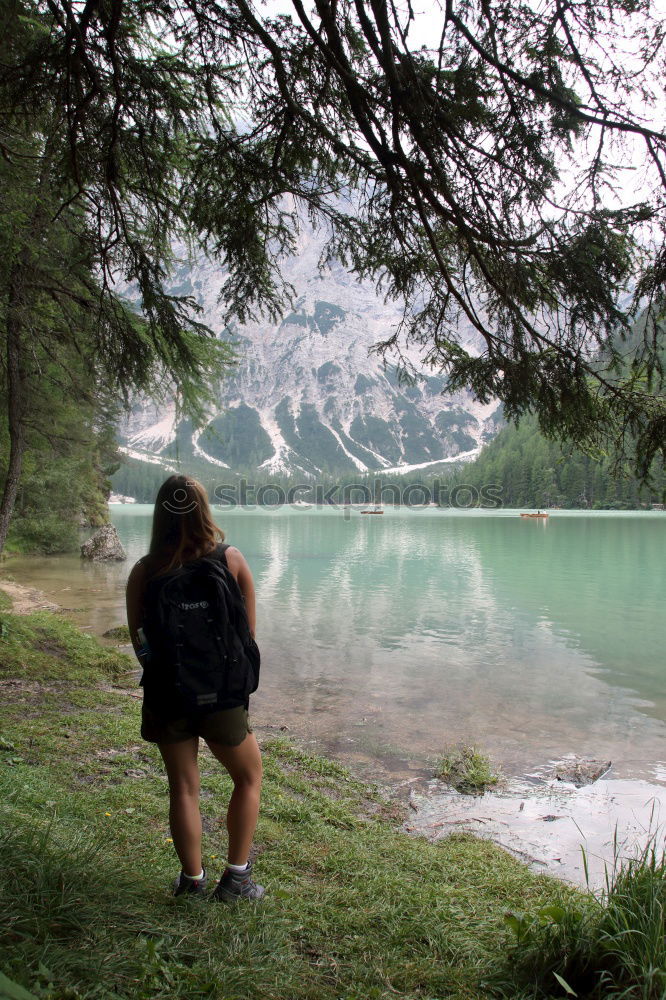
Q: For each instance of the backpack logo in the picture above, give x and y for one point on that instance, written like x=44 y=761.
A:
x=184 y=606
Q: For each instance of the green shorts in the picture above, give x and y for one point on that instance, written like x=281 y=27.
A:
x=228 y=727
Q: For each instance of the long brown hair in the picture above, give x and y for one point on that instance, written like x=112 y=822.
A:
x=183 y=525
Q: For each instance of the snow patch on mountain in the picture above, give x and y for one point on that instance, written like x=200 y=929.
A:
x=200 y=453
x=361 y=466
x=464 y=456
x=146 y=456
x=156 y=436
x=309 y=396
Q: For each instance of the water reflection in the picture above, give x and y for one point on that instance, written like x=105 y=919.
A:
x=414 y=629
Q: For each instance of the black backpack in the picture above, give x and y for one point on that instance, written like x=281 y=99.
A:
x=198 y=635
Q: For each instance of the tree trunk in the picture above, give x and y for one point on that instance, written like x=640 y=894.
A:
x=15 y=404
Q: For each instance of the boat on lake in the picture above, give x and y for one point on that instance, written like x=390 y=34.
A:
x=539 y=513
x=376 y=510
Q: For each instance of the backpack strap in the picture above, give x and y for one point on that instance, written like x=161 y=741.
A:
x=221 y=552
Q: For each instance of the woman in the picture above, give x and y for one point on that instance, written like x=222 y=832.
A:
x=183 y=531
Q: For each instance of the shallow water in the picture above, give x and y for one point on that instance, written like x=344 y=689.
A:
x=577 y=834
x=385 y=638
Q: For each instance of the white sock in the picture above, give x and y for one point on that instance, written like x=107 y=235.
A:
x=194 y=878
x=238 y=869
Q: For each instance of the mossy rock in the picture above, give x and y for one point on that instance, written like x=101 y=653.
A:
x=120 y=633
x=467 y=769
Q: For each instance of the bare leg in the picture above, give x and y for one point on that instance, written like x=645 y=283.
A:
x=244 y=766
x=180 y=760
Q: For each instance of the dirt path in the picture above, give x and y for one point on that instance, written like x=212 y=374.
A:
x=26 y=599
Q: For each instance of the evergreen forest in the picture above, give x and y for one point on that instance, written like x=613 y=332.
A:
x=530 y=470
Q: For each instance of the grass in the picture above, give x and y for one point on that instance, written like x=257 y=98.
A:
x=467 y=769
x=611 y=946
x=5 y=601
x=355 y=909
x=120 y=633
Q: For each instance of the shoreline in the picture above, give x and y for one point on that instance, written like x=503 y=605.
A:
x=576 y=834
x=25 y=599
x=538 y=820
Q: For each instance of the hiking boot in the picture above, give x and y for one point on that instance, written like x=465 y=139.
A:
x=189 y=886
x=234 y=886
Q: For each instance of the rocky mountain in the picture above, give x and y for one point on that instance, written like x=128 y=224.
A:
x=308 y=397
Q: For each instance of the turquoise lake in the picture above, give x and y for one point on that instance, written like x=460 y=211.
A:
x=385 y=638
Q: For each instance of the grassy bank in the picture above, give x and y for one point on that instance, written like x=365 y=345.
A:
x=354 y=910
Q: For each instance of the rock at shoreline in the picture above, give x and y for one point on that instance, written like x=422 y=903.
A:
x=103 y=546
x=580 y=772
